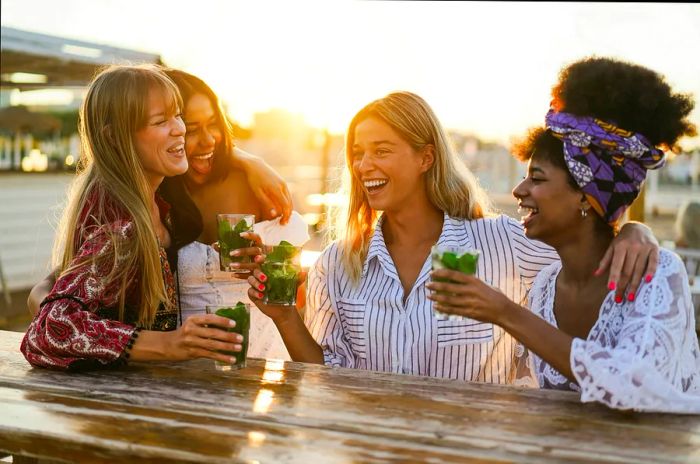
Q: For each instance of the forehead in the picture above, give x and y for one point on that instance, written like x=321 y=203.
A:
x=374 y=130
x=161 y=100
x=199 y=105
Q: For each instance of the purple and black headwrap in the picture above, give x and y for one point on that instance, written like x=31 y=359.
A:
x=608 y=163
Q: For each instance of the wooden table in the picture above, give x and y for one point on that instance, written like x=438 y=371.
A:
x=290 y=412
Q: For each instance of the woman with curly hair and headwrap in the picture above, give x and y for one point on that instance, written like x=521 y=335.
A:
x=608 y=124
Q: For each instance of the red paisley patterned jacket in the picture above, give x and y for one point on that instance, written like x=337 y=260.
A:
x=77 y=326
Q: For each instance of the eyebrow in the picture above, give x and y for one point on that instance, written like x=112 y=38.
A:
x=378 y=142
x=214 y=118
x=536 y=169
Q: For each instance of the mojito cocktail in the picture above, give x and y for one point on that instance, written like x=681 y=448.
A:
x=282 y=267
x=454 y=258
x=241 y=314
x=230 y=228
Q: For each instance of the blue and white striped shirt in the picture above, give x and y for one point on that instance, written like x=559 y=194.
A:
x=368 y=326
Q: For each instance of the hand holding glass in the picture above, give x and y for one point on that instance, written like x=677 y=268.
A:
x=454 y=258
x=282 y=267
x=230 y=228
x=240 y=312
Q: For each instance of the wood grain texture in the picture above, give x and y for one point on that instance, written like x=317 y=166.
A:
x=290 y=412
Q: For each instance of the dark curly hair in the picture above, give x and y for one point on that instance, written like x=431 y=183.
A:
x=630 y=96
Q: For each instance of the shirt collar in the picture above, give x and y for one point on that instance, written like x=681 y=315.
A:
x=452 y=234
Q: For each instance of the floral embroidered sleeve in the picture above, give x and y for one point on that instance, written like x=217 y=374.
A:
x=67 y=333
x=645 y=357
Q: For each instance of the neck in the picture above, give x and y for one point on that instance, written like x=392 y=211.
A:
x=154 y=182
x=581 y=252
x=192 y=187
x=416 y=223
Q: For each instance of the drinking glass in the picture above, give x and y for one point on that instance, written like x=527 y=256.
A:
x=282 y=267
x=455 y=258
x=239 y=312
x=230 y=227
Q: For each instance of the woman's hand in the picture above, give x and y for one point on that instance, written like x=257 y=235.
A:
x=255 y=253
x=467 y=296
x=633 y=254
x=277 y=313
x=201 y=336
x=268 y=187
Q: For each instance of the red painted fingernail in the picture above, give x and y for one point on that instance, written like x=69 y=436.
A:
x=618 y=299
x=611 y=286
x=263 y=277
x=261 y=287
x=648 y=278
x=630 y=297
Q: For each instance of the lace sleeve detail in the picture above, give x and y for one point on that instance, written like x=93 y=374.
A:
x=649 y=359
x=321 y=318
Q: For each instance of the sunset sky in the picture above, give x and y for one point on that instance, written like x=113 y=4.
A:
x=485 y=67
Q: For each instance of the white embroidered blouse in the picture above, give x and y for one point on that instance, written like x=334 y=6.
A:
x=202 y=283
x=640 y=355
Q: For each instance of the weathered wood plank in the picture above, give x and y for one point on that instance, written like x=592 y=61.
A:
x=298 y=413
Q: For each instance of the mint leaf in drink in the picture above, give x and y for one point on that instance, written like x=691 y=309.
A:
x=449 y=259
x=285 y=251
x=224 y=229
x=467 y=263
x=241 y=226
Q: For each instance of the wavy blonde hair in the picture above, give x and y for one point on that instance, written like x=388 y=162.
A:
x=111 y=183
x=451 y=187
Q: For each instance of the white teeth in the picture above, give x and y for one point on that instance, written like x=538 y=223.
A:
x=527 y=209
x=374 y=183
x=176 y=149
x=204 y=157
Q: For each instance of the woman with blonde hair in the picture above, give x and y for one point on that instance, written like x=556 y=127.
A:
x=114 y=298
x=367 y=304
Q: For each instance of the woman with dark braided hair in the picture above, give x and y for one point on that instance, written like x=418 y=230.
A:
x=609 y=123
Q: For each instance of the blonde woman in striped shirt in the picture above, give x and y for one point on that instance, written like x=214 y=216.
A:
x=367 y=304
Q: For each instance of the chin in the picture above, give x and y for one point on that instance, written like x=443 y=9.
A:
x=531 y=234
x=177 y=170
x=196 y=178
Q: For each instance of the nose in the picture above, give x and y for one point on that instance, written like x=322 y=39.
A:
x=520 y=191
x=178 y=127
x=207 y=139
x=365 y=164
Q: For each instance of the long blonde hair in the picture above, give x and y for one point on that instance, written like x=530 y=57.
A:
x=111 y=184
x=451 y=187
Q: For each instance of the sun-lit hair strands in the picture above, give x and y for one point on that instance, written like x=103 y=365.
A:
x=450 y=185
x=111 y=179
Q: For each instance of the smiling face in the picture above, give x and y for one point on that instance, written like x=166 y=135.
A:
x=388 y=168
x=552 y=205
x=160 y=143
x=204 y=134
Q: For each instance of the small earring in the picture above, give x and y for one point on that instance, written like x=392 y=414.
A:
x=584 y=212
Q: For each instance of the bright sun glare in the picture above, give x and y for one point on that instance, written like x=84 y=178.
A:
x=485 y=67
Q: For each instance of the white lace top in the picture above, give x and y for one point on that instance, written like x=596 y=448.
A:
x=202 y=283
x=640 y=355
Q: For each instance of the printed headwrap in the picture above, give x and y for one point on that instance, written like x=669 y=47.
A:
x=608 y=163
